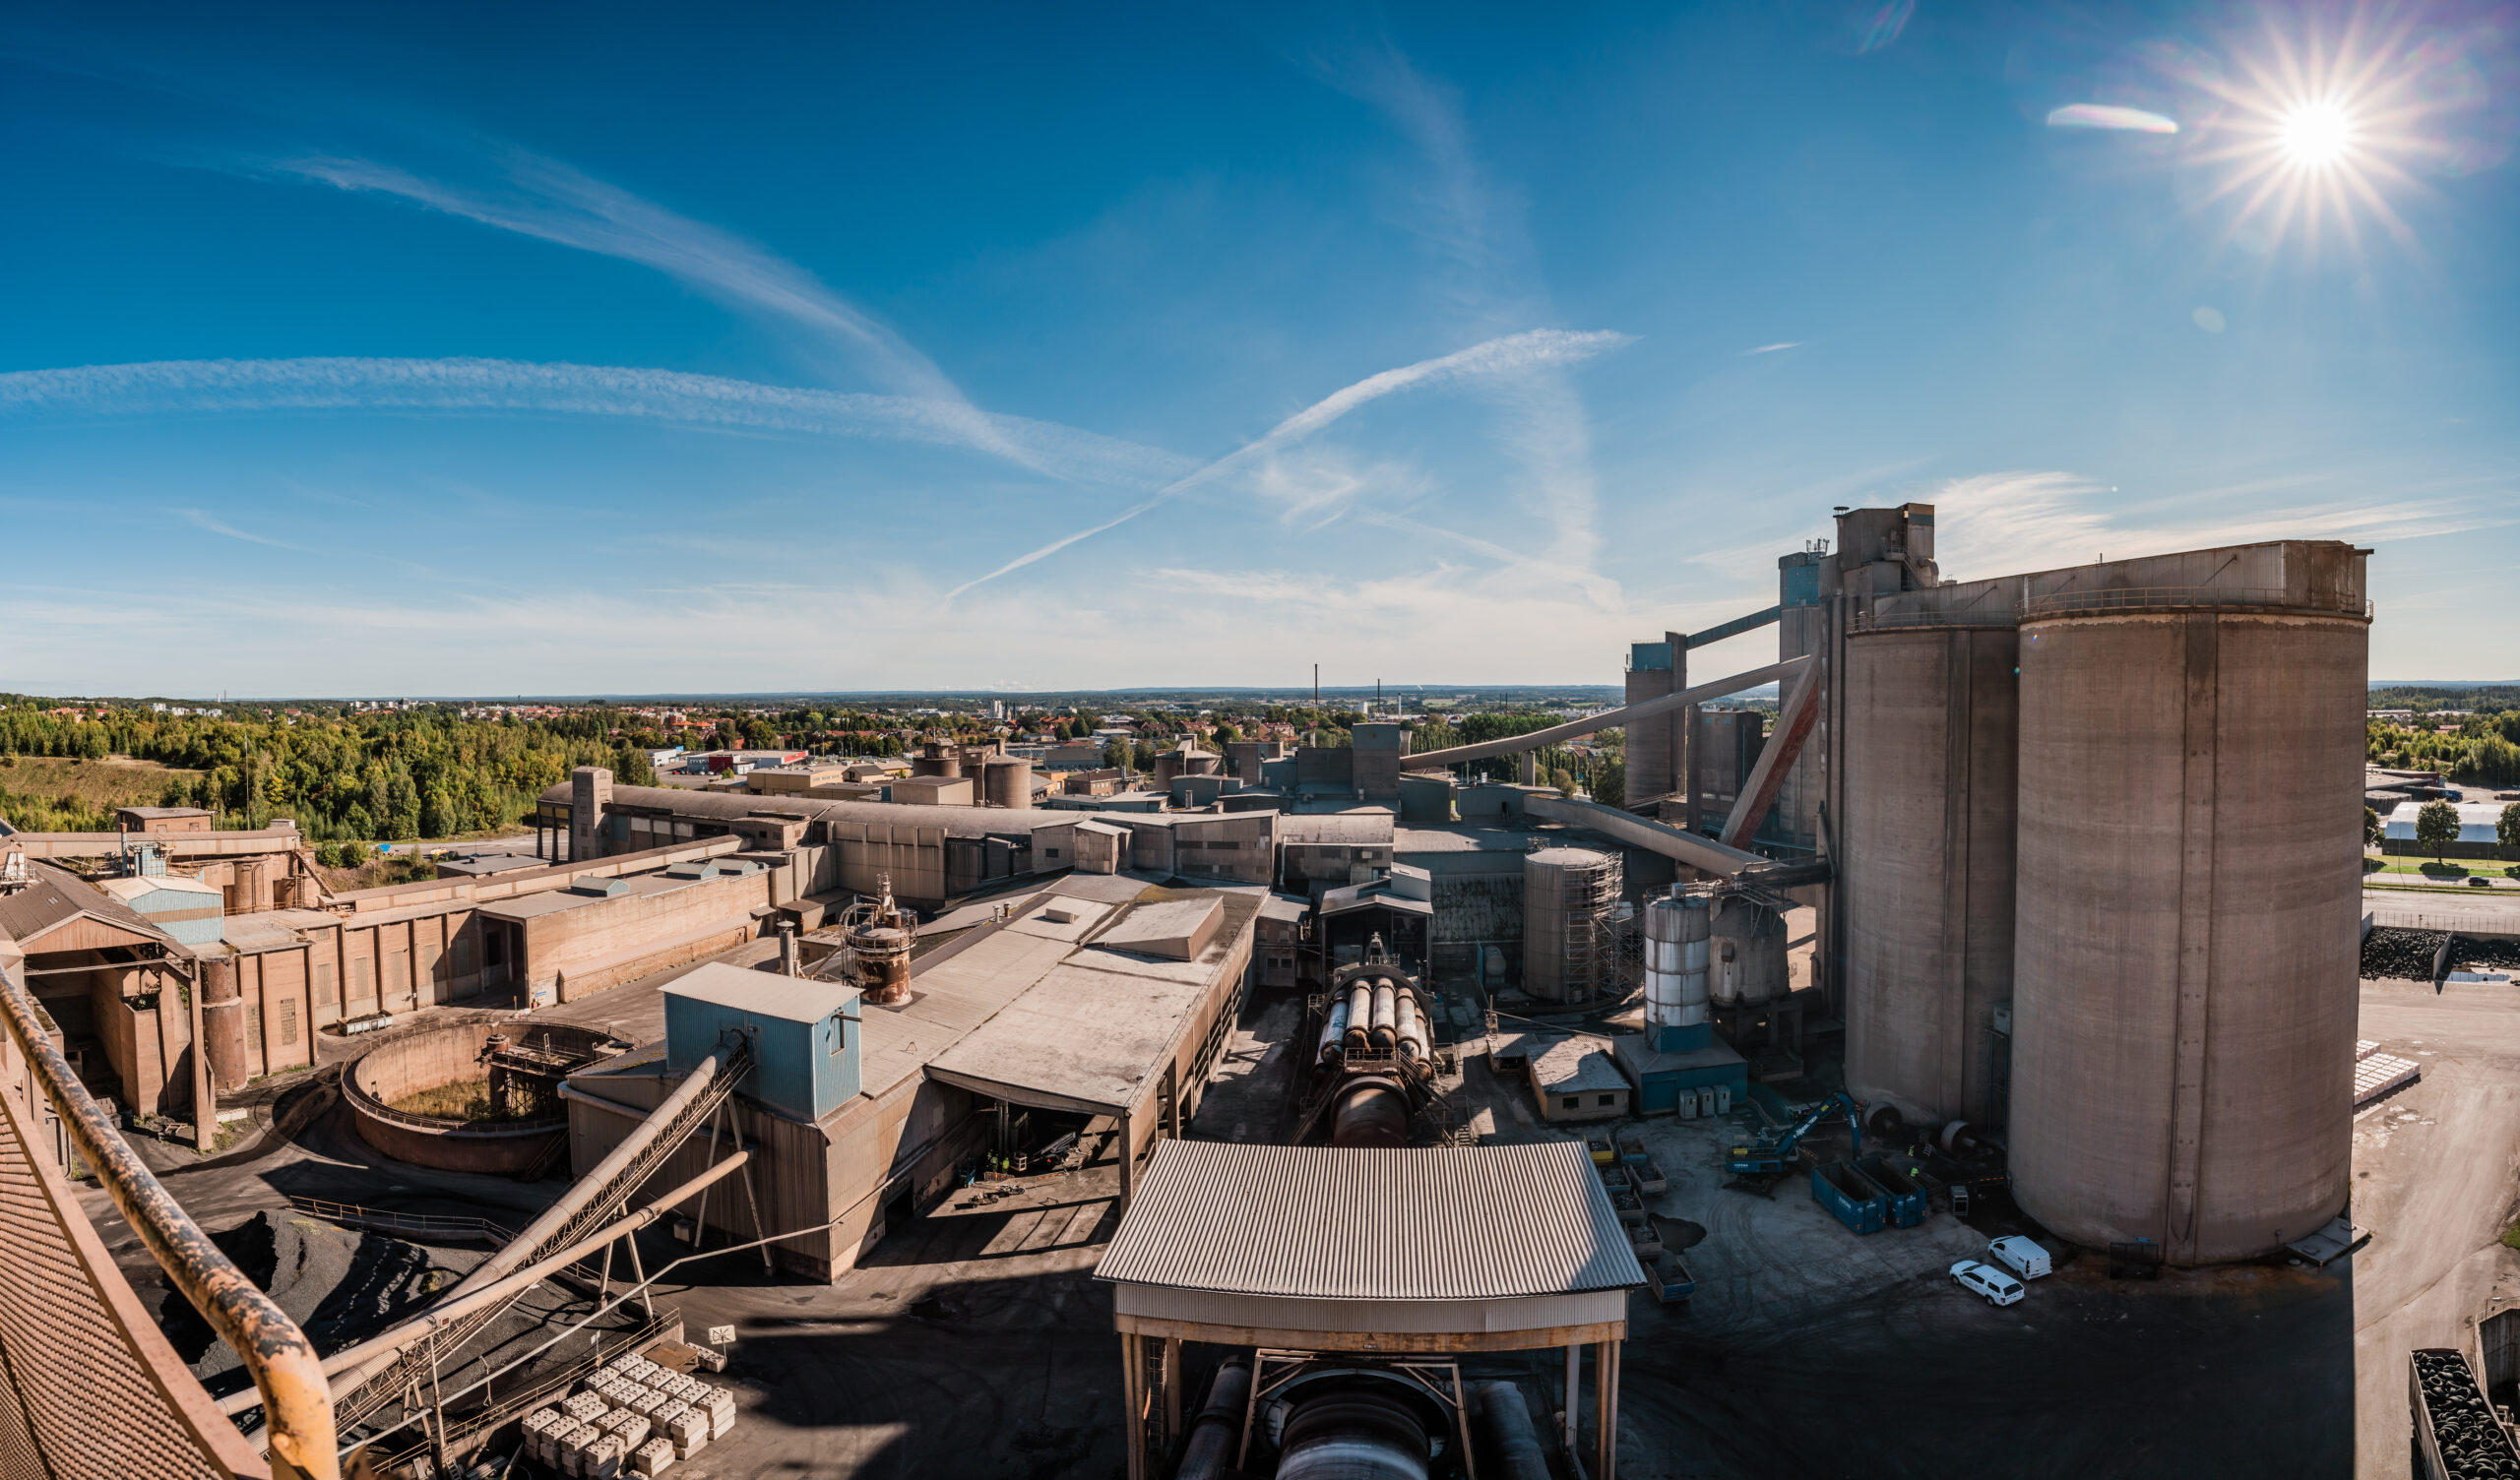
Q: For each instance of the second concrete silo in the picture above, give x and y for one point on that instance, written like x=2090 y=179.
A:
x=1007 y=781
x=2188 y=889
x=1933 y=726
x=1567 y=895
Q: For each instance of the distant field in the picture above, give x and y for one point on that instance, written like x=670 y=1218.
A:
x=117 y=782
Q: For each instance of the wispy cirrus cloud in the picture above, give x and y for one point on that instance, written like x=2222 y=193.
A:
x=185 y=386
x=201 y=518
x=1510 y=354
x=1987 y=522
x=1772 y=348
x=555 y=202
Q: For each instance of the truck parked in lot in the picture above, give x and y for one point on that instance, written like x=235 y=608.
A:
x=1849 y=1194
x=1908 y=1201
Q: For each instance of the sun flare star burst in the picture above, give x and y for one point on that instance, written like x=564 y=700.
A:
x=2312 y=132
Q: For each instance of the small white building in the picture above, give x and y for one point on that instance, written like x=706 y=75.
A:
x=1575 y=1078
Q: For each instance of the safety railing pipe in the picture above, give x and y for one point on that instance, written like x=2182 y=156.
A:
x=296 y=1401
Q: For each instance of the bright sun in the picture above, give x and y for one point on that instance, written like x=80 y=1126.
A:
x=2316 y=134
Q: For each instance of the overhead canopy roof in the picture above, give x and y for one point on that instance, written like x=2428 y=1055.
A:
x=1392 y=1250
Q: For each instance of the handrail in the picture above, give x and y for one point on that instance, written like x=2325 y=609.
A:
x=2184 y=598
x=414 y=1222
x=284 y=1367
x=1877 y=620
x=369 y=1104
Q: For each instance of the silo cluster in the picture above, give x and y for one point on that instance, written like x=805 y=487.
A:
x=2125 y=798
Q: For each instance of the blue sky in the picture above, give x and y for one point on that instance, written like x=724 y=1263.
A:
x=537 y=349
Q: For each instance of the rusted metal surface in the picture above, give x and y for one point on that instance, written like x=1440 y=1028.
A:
x=89 y=1396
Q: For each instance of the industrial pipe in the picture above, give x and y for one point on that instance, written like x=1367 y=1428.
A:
x=287 y=1374
x=1372 y=1112
x=1349 y=1435
x=1505 y=1422
x=1408 y=1026
x=1437 y=760
x=1386 y=1022
x=1213 y=1432
x=1334 y=1034
x=1361 y=1015
x=356 y=1364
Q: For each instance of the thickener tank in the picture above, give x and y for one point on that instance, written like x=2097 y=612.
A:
x=1007 y=781
x=1925 y=883
x=1748 y=966
x=2190 y=890
x=1566 y=893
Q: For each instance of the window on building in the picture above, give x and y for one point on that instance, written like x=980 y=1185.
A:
x=1049 y=852
x=254 y=1024
x=287 y=1021
x=1606 y=1099
x=323 y=992
x=1572 y=1102
x=839 y=1034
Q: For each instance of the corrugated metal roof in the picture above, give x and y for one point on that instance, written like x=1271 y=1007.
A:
x=764 y=994
x=1352 y=1223
x=57 y=897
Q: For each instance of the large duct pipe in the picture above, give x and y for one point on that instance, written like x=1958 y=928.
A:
x=1386 y=1020
x=1514 y=1449
x=1372 y=1112
x=1334 y=1034
x=1213 y=1432
x=1361 y=1015
x=1353 y=1436
x=1408 y=1027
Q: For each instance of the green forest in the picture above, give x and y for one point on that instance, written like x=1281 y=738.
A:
x=2484 y=749
x=393 y=774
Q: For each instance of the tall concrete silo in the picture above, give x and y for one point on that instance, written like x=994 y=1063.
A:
x=1007 y=781
x=2189 y=894
x=1567 y=893
x=1926 y=881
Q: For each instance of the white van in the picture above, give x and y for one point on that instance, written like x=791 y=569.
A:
x=2021 y=1257
x=1995 y=1284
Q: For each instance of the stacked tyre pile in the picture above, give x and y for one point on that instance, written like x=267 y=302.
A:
x=2405 y=954
x=631 y=1417
x=2454 y=1422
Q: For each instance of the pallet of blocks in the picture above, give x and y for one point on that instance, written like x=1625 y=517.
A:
x=628 y=1425
x=584 y=1407
x=719 y=1404
x=568 y=1443
x=652 y=1458
x=689 y=1429
x=537 y=1431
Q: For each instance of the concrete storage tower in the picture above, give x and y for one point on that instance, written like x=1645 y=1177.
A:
x=2188 y=896
x=1567 y=893
x=1007 y=781
x=1926 y=881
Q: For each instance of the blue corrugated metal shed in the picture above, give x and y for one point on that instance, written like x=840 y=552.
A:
x=803 y=1034
x=186 y=908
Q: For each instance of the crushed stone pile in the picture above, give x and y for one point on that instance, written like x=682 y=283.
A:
x=2403 y=954
x=340 y=1285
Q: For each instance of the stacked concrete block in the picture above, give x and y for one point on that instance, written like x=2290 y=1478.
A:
x=537 y=1431
x=719 y=1405
x=648 y=1401
x=584 y=1407
x=690 y=1430
x=628 y=1425
x=652 y=1458
x=567 y=1444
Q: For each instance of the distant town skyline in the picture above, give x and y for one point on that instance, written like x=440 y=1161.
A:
x=480 y=352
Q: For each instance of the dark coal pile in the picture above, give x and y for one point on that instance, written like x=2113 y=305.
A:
x=2472 y=1444
x=2493 y=955
x=339 y=1285
x=2406 y=955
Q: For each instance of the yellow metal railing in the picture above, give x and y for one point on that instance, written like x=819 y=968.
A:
x=90 y=1387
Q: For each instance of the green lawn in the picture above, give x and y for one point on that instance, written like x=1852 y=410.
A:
x=2450 y=870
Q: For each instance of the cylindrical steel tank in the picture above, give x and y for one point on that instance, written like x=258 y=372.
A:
x=1676 y=927
x=1386 y=1014
x=1334 y=1033
x=2184 y=971
x=1552 y=878
x=1007 y=781
x=1351 y=1434
x=1408 y=1029
x=883 y=963
x=1372 y=1112
x=1747 y=952
x=1926 y=877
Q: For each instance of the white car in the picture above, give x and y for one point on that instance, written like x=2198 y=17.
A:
x=2021 y=1257
x=1998 y=1287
